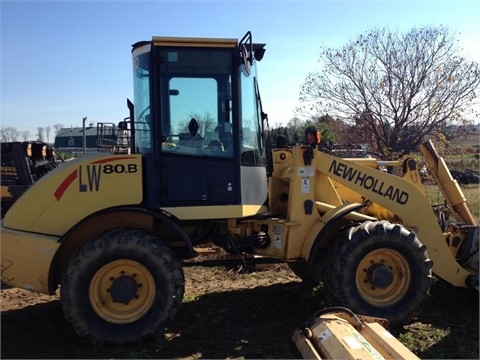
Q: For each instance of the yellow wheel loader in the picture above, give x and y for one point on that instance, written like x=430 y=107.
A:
x=113 y=231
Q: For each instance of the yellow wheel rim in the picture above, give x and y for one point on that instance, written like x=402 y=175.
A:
x=122 y=291
x=383 y=277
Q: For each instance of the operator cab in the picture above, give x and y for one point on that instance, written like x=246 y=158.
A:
x=199 y=125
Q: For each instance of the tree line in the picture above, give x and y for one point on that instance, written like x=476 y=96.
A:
x=336 y=134
x=43 y=133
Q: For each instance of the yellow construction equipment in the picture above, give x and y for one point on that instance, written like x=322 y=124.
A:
x=114 y=230
x=338 y=333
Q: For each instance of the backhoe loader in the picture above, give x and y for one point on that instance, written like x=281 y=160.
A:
x=113 y=231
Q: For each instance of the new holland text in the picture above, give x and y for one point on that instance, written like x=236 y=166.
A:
x=368 y=182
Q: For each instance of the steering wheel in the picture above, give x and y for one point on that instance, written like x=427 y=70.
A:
x=143 y=113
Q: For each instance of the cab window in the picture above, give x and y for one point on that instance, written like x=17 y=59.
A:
x=197 y=111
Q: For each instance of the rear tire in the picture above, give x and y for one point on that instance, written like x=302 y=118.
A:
x=379 y=269
x=122 y=287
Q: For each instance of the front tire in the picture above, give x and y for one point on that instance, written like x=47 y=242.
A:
x=122 y=287
x=379 y=269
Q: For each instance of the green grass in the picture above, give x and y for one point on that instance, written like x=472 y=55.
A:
x=471 y=193
x=447 y=326
x=462 y=162
x=421 y=337
x=191 y=297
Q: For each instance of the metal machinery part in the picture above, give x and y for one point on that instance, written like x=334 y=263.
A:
x=336 y=333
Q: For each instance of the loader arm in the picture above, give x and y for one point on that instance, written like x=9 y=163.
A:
x=399 y=197
x=448 y=185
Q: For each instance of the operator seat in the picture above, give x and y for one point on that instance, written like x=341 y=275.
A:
x=193 y=138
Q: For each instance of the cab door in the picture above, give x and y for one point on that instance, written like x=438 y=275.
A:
x=198 y=165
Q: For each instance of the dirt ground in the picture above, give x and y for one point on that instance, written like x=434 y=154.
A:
x=226 y=314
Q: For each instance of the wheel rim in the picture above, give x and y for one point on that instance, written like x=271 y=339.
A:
x=122 y=291
x=383 y=277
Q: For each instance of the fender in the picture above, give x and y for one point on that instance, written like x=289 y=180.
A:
x=97 y=182
x=160 y=224
x=323 y=226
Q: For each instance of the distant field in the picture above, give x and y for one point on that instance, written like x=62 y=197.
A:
x=460 y=156
x=468 y=140
x=471 y=193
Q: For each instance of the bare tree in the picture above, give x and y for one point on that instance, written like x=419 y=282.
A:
x=40 y=133
x=25 y=135
x=3 y=134
x=47 y=132
x=57 y=128
x=392 y=86
x=10 y=134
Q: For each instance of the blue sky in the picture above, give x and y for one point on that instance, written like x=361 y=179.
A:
x=64 y=60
